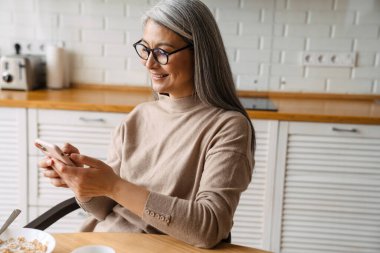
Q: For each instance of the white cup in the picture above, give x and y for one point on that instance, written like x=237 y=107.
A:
x=94 y=249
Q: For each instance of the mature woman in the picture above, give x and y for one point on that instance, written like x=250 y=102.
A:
x=179 y=164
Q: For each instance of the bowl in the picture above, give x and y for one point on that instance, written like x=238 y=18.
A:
x=29 y=234
x=93 y=249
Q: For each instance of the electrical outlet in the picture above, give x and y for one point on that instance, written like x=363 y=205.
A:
x=329 y=59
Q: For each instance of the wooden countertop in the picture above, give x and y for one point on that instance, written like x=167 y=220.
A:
x=356 y=109
x=139 y=243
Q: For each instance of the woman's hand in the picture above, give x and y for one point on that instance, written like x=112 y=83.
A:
x=49 y=172
x=97 y=179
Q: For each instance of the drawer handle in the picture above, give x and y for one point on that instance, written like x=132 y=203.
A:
x=352 y=130
x=92 y=120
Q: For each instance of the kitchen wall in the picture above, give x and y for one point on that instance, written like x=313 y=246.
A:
x=266 y=40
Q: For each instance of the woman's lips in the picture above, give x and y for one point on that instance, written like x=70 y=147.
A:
x=158 y=76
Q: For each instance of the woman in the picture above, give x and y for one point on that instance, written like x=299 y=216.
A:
x=179 y=164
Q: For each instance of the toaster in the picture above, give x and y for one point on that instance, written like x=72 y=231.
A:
x=22 y=72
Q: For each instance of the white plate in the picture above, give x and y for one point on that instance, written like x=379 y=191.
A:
x=30 y=234
x=93 y=249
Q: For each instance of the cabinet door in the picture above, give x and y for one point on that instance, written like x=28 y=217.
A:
x=90 y=132
x=13 y=162
x=252 y=220
x=328 y=188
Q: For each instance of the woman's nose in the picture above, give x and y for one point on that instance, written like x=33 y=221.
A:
x=150 y=62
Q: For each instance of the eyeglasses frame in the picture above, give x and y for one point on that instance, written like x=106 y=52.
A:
x=149 y=50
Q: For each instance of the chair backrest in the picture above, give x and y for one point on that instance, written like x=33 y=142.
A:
x=53 y=214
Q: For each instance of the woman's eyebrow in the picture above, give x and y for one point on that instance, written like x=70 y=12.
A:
x=160 y=44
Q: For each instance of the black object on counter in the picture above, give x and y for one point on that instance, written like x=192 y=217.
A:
x=257 y=103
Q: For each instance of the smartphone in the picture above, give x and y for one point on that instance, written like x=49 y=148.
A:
x=53 y=151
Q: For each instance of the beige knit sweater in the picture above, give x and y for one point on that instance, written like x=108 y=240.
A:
x=193 y=158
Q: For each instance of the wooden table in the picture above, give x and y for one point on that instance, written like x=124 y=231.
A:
x=138 y=243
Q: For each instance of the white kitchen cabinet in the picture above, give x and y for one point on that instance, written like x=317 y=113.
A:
x=327 y=196
x=90 y=132
x=252 y=220
x=13 y=165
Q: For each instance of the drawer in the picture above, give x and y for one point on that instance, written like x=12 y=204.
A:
x=331 y=129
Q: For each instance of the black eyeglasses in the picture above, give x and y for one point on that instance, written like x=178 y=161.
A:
x=160 y=55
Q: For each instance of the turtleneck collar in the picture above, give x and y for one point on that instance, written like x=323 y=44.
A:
x=178 y=104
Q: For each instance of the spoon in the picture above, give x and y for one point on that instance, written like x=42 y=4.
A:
x=10 y=219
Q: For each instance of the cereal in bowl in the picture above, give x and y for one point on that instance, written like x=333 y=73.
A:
x=20 y=245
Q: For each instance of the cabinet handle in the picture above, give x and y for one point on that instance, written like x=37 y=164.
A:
x=92 y=120
x=352 y=130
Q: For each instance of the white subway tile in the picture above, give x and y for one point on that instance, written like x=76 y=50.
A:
x=222 y=3
x=267 y=16
x=126 y=77
x=276 y=57
x=54 y=34
x=103 y=9
x=17 y=32
x=308 y=30
x=339 y=45
x=135 y=63
x=365 y=45
x=287 y=70
x=366 y=72
x=251 y=55
x=349 y=86
x=369 y=18
x=241 y=41
x=229 y=28
x=359 y=31
x=326 y=72
x=238 y=15
x=231 y=54
x=310 y=5
x=136 y=10
x=5 y=18
x=245 y=68
x=119 y=50
x=37 y=20
x=66 y=7
x=133 y=36
x=332 y=17
x=298 y=84
x=87 y=76
x=76 y=21
x=85 y=49
x=291 y=57
x=279 y=30
x=355 y=5
x=291 y=17
x=258 y=4
x=119 y=23
x=103 y=36
x=17 y=5
x=114 y=63
x=281 y=4
x=251 y=82
x=366 y=59
x=256 y=29
x=289 y=43
x=265 y=43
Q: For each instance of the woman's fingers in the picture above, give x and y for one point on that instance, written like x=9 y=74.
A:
x=58 y=182
x=89 y=161
x=68 y=149
x=45 y=163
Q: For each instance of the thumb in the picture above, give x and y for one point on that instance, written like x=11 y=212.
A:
x=86 y=160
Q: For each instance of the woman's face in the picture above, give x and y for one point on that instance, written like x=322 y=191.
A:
x=176 y=77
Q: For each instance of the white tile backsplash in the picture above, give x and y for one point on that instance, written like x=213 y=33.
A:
x=264 y=39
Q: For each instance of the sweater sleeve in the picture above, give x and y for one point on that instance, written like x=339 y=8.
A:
x=206 y=220
x=101 y=206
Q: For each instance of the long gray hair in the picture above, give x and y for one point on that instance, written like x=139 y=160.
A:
x=194 y=22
